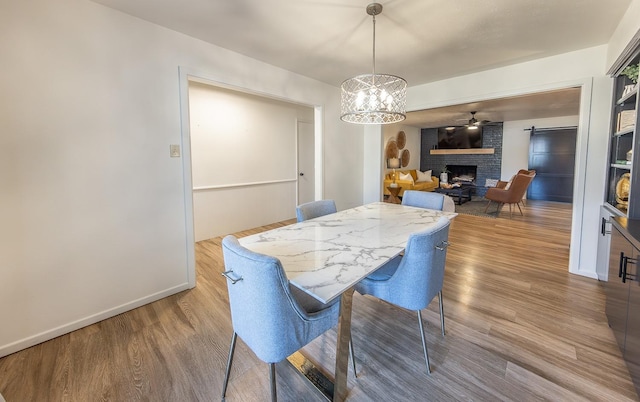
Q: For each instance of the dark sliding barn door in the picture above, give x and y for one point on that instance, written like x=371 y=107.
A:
x=552 y=154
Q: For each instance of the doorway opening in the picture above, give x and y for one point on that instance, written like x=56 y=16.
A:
x=582 y=90
x=244 y=157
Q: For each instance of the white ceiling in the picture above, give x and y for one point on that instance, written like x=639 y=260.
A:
x=541 y=105
x=419 y=40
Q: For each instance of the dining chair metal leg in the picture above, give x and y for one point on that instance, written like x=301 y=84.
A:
x=272 y=378
x=424 y=342
x=441 y=312
x=353 y=356
x=229 y=361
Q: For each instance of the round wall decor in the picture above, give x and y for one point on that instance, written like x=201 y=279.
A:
x=405 y=157
x=392 y=149
x=401 y=139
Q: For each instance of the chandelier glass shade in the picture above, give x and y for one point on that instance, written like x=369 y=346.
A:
x=374 y=98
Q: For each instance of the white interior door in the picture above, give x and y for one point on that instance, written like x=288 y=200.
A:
x=306 y=173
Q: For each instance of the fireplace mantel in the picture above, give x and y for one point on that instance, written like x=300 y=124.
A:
x=471 y=151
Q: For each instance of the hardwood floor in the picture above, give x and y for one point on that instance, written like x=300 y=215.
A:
x=519 y=327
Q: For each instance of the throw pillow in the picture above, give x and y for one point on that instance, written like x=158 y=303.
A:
x=509 y=183
x=406 y=177
x=424 y=176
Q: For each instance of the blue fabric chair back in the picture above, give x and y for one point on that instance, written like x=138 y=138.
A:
x=264 y=312
x=423 y=199
x=414 y=279
x=315 y=209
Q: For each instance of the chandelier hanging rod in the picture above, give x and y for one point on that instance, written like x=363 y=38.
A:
x=374 y=9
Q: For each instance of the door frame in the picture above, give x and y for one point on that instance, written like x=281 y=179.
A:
x=186 y=75
x=584 y=127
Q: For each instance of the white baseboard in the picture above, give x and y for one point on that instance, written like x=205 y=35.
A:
x=83 y=322
x=588 y=274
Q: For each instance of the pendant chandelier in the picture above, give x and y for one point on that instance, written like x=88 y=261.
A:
x=374 y=98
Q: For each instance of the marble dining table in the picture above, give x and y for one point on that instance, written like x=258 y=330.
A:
x=326 y=256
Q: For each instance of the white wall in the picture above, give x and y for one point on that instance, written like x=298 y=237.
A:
x=624 y=33
x=390 y=131
x=583 y=68
x=243 y=159
x=372 y=163
x=515 y=141
x=413 y=135
x=93 y=209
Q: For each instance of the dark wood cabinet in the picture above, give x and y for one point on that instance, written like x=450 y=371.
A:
x=618 y=290
x=623 y=292
x=622 y=193
x=632 y=339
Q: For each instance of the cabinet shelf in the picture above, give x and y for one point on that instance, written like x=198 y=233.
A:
x=628 y=96
x=613 y=211
x=624 y=131
x=620 y=166
x=623 y=141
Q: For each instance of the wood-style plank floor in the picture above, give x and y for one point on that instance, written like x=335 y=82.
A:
x=519 y=327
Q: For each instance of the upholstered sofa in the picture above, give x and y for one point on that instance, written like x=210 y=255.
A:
x=422 y=185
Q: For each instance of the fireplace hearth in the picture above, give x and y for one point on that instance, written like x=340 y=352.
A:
x=463 y=174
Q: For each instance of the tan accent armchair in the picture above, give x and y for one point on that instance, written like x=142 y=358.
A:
x=511 y=194
x=504 y=184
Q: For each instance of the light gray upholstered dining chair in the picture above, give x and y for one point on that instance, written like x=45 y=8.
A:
x=315 y=209
x=429 y=200
x=411 y=281
x=271 y=316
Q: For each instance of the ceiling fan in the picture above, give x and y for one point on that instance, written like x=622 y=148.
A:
x=473 y=122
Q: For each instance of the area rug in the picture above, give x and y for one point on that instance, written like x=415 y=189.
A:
x=476 y=207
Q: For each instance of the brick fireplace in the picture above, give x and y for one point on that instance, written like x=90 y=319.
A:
x=488 y=166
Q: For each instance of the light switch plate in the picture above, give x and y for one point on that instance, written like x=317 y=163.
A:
x=174 y=150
